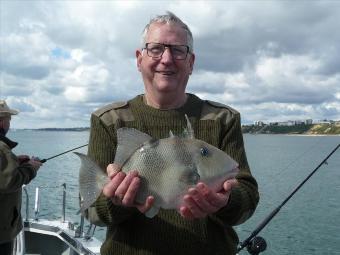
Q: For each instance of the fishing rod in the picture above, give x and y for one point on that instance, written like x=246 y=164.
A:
x=257 y=244
x=44 y=160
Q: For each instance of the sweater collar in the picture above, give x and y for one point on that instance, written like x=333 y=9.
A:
x=192 y=107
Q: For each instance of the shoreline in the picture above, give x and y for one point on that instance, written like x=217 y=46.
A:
x=88 y=129
x=293 y=134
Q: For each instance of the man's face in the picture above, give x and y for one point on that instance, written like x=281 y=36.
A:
x=165 y=74
x=5 y=123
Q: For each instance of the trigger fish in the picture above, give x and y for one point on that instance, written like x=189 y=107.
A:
x=167 y=167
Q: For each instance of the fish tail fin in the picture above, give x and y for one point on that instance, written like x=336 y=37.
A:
x=91 y=181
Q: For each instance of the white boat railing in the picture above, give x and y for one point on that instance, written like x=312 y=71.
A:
x=37 y=201
x=66 y=236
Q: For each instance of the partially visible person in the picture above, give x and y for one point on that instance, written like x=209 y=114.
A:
x=203 y=225
x=15 y=171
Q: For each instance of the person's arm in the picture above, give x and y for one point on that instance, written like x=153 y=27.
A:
x=12 y=174
x=244 y=195
x=102 y=147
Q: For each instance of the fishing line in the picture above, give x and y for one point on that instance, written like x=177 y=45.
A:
x=276 y=176
x=256 y=244
x=44 y=160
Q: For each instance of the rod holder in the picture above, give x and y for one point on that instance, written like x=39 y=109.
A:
x=36 y=204
x=27 y=202
x=64 y=202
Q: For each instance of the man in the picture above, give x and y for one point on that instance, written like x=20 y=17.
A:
x=203 y=225
x=14 y=172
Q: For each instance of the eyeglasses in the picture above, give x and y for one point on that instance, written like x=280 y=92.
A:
x=156 y=50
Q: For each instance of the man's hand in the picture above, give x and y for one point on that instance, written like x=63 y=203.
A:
x=201 y=201
x=122 y=188
x=23 y=159
x=33 y=161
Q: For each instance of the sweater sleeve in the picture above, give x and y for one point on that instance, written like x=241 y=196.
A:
x=244 y=197
x=102 y=147
x=13 y=175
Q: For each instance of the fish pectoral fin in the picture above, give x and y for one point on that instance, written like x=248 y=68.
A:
x=152 y=212
x=190 y=177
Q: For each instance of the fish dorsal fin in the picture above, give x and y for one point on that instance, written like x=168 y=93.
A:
x=128 y=141
x=171 y=134
x=188 y=131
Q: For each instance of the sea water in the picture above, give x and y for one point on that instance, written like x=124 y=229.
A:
x=309 y=223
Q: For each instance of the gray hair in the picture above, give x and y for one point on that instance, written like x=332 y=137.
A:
x=169 y=18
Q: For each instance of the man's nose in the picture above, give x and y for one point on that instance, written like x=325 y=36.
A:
x=167 y=55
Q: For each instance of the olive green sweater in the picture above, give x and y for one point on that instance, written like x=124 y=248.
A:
x=129 y=231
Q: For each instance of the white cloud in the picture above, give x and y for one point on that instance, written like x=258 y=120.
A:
x=274 y=71
x=271 y=60
x=78 y=55
x=75 y=94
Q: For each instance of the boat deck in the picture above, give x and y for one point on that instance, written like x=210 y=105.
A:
x=54 y=237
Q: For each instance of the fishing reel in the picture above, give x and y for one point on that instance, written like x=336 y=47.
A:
x=257 y=245
x=254 y=246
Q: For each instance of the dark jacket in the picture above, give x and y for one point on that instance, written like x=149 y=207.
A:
x=12 y=176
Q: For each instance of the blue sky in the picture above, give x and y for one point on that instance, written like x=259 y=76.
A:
x=271 y=60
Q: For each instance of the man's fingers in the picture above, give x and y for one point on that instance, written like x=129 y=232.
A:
x=229 y=184
x=215 y=201
x=111 y=187
x=125 y=184
x=201 y=201
x=194 y=208
x=112 y=170
x=131 y=192
x=186 y=213
x=147 y=205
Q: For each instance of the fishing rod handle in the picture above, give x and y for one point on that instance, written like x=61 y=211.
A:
x=258 y=229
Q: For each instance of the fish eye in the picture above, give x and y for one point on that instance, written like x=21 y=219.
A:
x=204 y=151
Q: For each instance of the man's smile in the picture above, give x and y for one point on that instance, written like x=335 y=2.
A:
x=167 y=73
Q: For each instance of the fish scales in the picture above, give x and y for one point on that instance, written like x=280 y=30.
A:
x=164 y=158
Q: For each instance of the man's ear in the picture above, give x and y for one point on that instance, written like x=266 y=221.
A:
x=191 y=62
x=139 y=56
